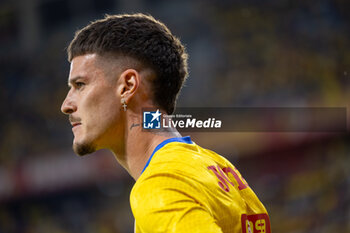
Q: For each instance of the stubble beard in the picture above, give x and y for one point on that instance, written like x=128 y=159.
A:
x=83 y=148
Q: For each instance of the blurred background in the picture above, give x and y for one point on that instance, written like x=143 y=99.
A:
x=252 y=53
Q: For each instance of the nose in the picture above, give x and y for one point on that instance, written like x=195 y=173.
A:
x=68 y=106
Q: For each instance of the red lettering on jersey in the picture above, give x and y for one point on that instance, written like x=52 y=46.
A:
x=256 y=223
x=222 y=183
x=242 y=184
x=222 y=175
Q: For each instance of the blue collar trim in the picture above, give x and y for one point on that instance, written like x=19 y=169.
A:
x=186 y=139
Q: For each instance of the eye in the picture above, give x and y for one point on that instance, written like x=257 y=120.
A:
x=79 y=84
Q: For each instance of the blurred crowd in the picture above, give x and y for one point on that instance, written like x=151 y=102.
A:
x=305 y=188
x=83 y=210
x=275 y=53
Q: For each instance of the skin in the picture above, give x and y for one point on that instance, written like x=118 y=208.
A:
x=97 y=86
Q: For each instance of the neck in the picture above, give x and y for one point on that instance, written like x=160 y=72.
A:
x=139 y=145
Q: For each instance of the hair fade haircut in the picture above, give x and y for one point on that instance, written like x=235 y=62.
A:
x=143 y=38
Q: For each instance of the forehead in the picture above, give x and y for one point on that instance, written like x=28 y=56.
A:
x=82 y=65
x=94 y=65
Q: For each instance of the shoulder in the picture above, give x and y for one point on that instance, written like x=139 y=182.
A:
x=160 y=181
x=166 y=200
x=180 y=164
x=168 y=180
x=176 y=172
x=184 y=157
x=161 y=196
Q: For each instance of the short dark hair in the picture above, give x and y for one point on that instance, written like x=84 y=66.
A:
x=143 y=38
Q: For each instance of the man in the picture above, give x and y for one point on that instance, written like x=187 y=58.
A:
x=119 y=66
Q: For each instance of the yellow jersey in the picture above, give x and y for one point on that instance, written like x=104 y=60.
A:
x=186 y=188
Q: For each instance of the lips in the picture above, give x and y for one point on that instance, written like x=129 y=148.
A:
x=74 y=121
x=75 y=124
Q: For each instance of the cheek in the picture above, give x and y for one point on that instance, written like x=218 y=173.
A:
x=102 y=107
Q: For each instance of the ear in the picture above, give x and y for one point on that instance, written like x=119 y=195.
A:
x=129 y=82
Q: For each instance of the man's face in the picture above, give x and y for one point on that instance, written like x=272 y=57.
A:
x=93 y=105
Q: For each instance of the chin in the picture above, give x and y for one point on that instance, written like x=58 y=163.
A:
x=83 y=148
